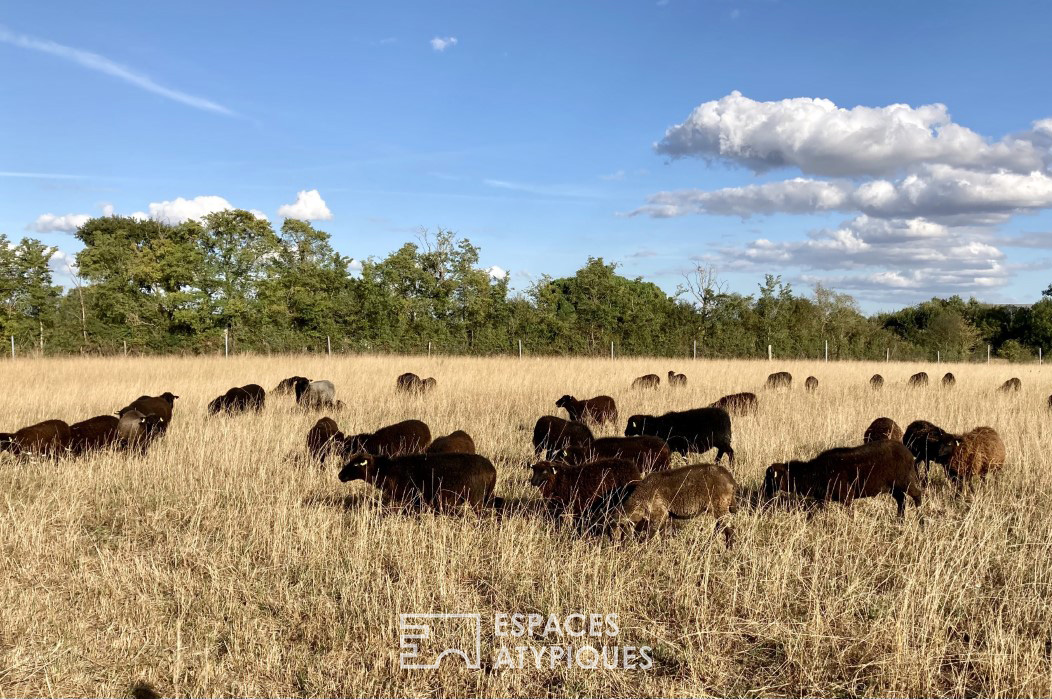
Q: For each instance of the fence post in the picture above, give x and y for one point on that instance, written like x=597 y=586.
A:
x=695 y=349
x=770 y=356
x=12 y=347
x=520 y=349
x=226 y=342
x=125 y=348
x=827 y=351
x=328 y=345
x=938 y=357
x=1039 y=359
x=429 y=348
x=611 y=349
x=887 y=355
x=988 y=354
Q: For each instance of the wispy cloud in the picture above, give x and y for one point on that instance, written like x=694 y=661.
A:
x=41 y=175
x=556 y=190
x=442 y=43
x=94 y=61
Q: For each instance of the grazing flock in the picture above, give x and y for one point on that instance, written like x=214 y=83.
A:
x=620 y=486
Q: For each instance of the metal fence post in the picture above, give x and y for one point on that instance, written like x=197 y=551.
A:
x=770 y=354
x=226 y=342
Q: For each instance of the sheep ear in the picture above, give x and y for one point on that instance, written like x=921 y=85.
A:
x=363 y=462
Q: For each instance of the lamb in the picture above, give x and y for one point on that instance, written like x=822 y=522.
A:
x=682 y=493
x=315 y=395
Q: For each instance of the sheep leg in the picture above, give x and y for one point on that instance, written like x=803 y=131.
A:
x=900 y=500
x=728 y=532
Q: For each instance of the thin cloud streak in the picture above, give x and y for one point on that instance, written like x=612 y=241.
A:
x=42 y=175
x=101 y=64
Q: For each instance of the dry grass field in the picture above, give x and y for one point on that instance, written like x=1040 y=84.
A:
x=221 y=563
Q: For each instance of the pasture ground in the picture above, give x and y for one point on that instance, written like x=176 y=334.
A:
x=219 y=564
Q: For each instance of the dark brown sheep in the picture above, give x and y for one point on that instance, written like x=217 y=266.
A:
x=160 y=406
x=50 y=438
x=411 y=383
x=458 y=442
x=810 y=384
x=975 y=453
x=437 y=481
x=646 y=452
x=259 y=396
x=949 y=380
x=1011 y=386
x=552 y=434
x=647 y=381
x=881 y=429
x=919 y=379
x=738 y=403
x=588 y=491
x=876 y=382
x=235 y=400
x=324 y=439
x=287 y=386
x=675 y=379
x=1050 y=402
x=847 y=473
x=599 y=409
x=688 y=431
x=780 y=379
x=682 y=493
x=138 y=431
x=923 y=438
x=406 y=437
x=95 y=434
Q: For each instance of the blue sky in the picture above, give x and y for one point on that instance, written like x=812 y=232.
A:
x=534 y=133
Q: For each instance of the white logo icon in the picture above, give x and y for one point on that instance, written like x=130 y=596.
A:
x=419 y=651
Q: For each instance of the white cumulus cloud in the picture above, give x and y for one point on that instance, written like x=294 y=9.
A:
x=440 y=44
x=820 y=138
x=179 y=209
x=309 y=206
x=497 y=273
x=47 y=223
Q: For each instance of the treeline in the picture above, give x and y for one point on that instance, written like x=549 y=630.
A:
x=161 y=288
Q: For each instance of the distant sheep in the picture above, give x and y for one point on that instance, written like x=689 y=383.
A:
x=883 y=428
x=599 y=409
x=436 y=481
x=682 y=493
x=1012 y=385
x=780 y=379
x=811 y=384
x=847 y=473
x=738 y=403
x=160 y=406
x=315 y=395
x=949 y=380
x=876 y=382
x=919 y=379
x=411 y=383
x=458 y=442
x=695 y=430
x=648 y=381
x=238 y=400
x=287 y=386
x=552 y=434
x=675 y=379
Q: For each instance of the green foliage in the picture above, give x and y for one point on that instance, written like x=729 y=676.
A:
x=176 y=288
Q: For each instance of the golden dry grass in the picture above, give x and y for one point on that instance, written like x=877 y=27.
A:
x=216 y=565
